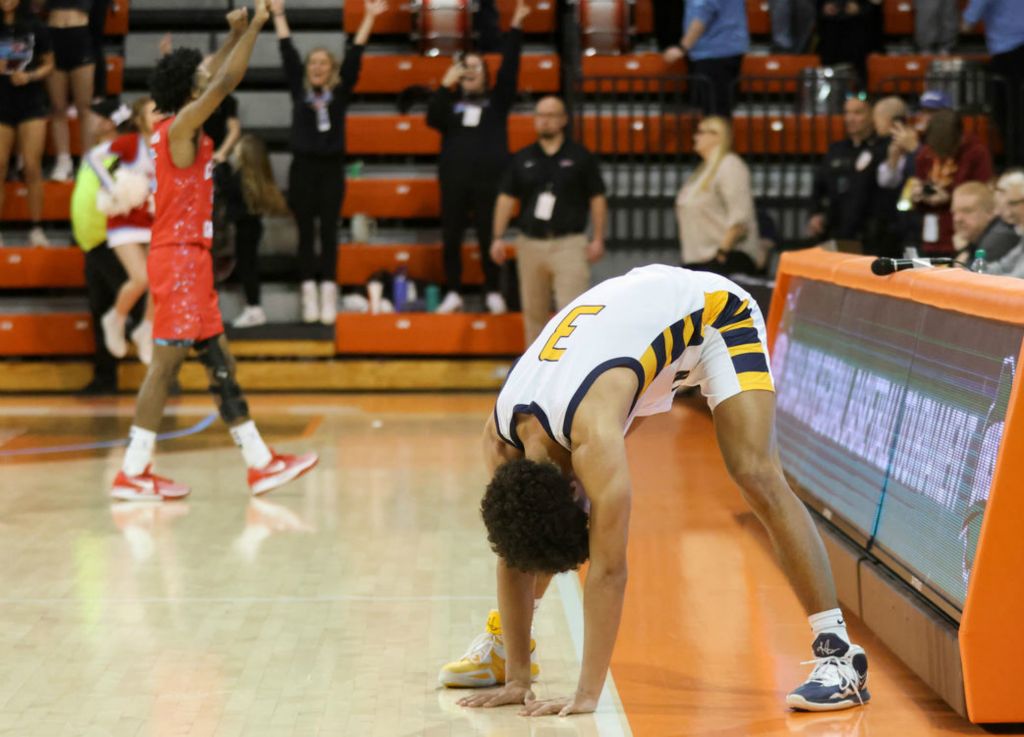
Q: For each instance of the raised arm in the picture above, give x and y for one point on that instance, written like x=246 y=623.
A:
x=372 y=10
x=507 y=82
x=190 y=119
x=237 y=20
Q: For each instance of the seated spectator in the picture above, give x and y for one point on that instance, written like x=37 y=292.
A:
x=715 y=208
x=1012 y=264
x=948 y=159
x=26 y=59
x=846 y=181
x=976 y=224
x=250 y=193
x=1002 y=194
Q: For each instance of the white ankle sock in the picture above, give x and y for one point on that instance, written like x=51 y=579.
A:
x=139 y=452
x=254 y=450
x=830 y=621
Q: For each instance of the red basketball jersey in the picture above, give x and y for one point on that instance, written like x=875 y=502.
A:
x=184 y=197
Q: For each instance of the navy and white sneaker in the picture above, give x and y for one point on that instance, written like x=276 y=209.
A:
x=839 y=679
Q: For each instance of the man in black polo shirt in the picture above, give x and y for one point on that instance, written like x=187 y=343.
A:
x=557 y=183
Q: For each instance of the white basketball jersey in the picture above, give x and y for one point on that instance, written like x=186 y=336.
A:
x=652 y=320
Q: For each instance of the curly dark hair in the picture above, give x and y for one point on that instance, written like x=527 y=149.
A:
x=172 y=82
x=532 y=520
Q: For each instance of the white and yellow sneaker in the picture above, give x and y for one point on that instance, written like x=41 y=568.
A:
x=483 y=664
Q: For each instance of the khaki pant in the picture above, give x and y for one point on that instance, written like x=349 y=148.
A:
x=543 y=264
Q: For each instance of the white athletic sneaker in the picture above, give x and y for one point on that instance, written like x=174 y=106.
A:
x=252 y=316
x=310 y=302
x=328 y=302
x=63 y=169
x=496 y=303
x=37 y=238
x=452 y=302
x=113 y=333
x=142 y=337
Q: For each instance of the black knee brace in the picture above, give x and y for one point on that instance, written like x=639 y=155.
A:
x=226 y=391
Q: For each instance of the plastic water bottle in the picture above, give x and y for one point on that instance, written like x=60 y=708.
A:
x=979 y=265
x=399 y=292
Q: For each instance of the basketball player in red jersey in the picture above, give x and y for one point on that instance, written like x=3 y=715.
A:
x=186 y=312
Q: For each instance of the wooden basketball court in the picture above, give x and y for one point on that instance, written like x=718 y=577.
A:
x=328 y=606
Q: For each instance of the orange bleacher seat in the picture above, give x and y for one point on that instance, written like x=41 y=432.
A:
x=117 y=18
x=115 y=74
x=393 y=73
x=637 y=68
x=357 y=262
x=904 y=74
x=776 y=73
x=398 y=18
x=416 y=333
x=644 y=17
x=46 y=334
x=410 y=134
x=56 y=201
x=29 y=268
x=759 y=20
x=393 y=198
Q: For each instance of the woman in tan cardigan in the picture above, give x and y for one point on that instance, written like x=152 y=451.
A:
x=715 y=208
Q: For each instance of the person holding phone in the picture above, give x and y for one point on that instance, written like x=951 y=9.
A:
x=472 y=118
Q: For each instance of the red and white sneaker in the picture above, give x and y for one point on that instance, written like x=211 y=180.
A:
x=281 y=469
x=147 y=487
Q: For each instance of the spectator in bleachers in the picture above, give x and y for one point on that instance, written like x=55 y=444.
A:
x=473 y=122
x=26 y=58
x=715 y=208
x=888 y=228
x=557 y=183
x=104 y=274
x=1004 y=37
x=1012 y=264
x=1004 y=187
x=320 y=91
x=125 y=198
x=846 y=183
x=792 y=25
x=948 y=158
x=250 y=193
x=715 y=40
x=73 y=75
x=976 y=224
x=935 y=26
x=849 y=30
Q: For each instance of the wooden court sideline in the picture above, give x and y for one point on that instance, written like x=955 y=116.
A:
x=327 y=606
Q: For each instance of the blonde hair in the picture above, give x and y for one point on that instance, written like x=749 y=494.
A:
x=709 y=168
x=335 y=79
x=261 y=194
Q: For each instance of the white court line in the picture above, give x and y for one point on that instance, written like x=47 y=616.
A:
x=610 y=716
x=243 y=599
x=100 y=411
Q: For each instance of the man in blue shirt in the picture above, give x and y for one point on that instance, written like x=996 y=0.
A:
x=715 y=40
x=1004 y=36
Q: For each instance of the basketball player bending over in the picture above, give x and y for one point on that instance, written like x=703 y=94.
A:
x=186 y=311
x=560 y=493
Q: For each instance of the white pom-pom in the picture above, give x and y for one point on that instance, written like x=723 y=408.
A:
x=131 y=189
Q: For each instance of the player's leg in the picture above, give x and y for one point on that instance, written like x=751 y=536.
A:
x=135 y=481
x=267 y=469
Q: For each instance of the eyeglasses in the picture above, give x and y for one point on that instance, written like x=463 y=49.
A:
x=862 y=96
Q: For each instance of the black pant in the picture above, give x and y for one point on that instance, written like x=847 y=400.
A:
x=735 y=263
x=248 y=233
x=97 y=22
x=715 y=84
x=668 y=22
x=104 y=276
x=459 y=196
x=316 y=189
x=1009 y=101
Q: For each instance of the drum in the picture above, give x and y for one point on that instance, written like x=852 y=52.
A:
x=442 y=27
x=606 y=26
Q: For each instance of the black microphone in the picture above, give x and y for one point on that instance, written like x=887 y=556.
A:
x=886 y=266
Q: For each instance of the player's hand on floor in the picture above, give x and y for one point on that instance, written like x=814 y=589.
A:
x=510 y=693
x=563 y=707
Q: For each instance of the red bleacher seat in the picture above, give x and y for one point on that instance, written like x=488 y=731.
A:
x=759 y=20
x=644 y=17
x=357 y=262
x=393 y=198
x=398 y=18
x=115 y=74
x=28 y=268
x=775 y=73
x=56 y=201
x=410 y=134
x=903 y=74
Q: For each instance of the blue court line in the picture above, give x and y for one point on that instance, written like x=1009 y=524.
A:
x=196 y=428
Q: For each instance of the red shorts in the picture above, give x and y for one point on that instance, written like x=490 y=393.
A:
x=185 y=306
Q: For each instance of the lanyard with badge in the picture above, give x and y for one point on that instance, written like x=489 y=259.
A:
x=544 y=207
x=320 y=102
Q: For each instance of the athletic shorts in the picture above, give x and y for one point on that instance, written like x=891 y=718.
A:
x=185 y=305
x=733 y=359
x=21 y=104
x=72 y=47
